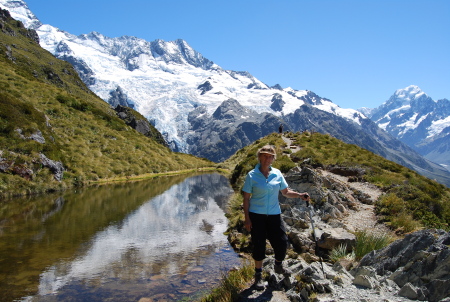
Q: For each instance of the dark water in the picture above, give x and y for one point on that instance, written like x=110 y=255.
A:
x=160 y=239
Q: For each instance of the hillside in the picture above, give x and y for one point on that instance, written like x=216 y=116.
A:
x=409 y=200
x=55 y=133
x=361 y=203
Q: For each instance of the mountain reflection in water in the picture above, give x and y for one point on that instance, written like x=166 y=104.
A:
x=159 y=239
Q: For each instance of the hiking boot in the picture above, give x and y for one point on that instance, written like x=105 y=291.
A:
x=259 y=282
x=279 y=269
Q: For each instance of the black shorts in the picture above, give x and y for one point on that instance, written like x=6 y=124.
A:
x=268 y=227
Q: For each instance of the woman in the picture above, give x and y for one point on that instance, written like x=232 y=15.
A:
x=263 y=213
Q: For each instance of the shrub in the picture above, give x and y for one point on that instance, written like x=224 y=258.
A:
x=284 y=164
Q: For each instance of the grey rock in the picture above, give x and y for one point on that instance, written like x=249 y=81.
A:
x=56 y=167
x=332 y=238
x=277 y=102
x=38 y=137
x=421 y=259
x=118 y=97
x=409 y=291
x=366 y=281
x=136 y=121
x=301 y=242
x=205 y=87
x=364 y=270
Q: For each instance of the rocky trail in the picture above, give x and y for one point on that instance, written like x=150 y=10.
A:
x=364 y=216
x=412 y=268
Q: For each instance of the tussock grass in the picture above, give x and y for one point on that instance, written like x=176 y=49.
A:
x=340 y=252
x=240 y=240
x=397 y=209
x=367 y=242
x=231 y=285
x=235 y=211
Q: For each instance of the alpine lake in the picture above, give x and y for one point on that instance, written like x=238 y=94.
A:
x=152 y=240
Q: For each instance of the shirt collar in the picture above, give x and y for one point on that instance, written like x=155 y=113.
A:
x=259 y=165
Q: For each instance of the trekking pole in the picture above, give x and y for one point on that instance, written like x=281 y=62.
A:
x=314 y=233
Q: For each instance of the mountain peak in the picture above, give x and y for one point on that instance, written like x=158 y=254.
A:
x=409 y=93
x=19 y=10
x=179 y=52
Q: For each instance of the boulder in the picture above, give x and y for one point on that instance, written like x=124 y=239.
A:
x=366 y=281
x=332 y=238
x=301 y=241
x=409 y=291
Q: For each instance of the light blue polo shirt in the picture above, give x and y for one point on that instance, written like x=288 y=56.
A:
x=264 y=199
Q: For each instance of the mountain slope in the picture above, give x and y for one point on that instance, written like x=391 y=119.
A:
x=167 y=82
x=417 y=120
x=55 y=133
x=340 y=178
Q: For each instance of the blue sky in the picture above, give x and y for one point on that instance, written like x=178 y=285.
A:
x=353 y=52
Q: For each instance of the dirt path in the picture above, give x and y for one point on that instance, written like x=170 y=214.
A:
x=364 y=217
x=288 y=141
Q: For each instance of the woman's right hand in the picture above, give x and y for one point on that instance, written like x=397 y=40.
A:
x=247 y=222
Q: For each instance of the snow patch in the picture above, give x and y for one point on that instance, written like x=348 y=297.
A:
x=438 y=126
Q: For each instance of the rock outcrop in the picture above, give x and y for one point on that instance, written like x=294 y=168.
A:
x=136 y=121
x=419 y=264
x=56 y=167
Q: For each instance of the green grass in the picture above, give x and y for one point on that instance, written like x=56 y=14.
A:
x=367 y=242
x=340 y=252
x=238 y=237
x=231 y=285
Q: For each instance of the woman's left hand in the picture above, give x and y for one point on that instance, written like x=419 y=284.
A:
x=304 y=196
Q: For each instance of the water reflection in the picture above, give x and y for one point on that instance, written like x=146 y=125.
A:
x=161 y=240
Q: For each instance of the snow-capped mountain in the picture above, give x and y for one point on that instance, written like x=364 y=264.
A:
x=162 y=80
x=201 y=108
x=417 y=120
